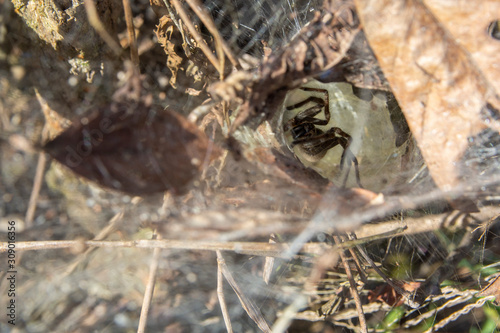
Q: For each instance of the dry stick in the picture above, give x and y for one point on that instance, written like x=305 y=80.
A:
x=354 y=290
x=37 y=184
x=150 y=287
x=134 y=54
x=199 y=40
x=249 y=306
x=96 y=23
x=249 y=248
x=209 y=23
x=220 y=293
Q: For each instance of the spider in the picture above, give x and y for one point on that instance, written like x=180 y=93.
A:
x=314 y=142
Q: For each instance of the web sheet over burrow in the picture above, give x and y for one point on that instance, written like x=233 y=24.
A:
x=238 y=154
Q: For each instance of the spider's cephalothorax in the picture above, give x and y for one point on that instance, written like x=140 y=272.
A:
x=313 y=141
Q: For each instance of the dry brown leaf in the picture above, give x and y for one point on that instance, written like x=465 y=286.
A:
x=134 y=148
x=440 y=72
x=468 y=21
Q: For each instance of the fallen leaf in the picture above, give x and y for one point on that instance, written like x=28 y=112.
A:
x=134 y=148
x=437 y=70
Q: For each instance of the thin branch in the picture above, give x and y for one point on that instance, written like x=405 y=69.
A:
x=248 y=248
x=134 y=54
x=150 y=287
x=37 y=185
x=249 y=306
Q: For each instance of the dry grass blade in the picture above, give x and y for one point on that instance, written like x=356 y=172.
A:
x=148 y=293
x=354 y=290
x=248 y=248
x=249 y=306
x=37 y=184
x=134 y=54
x=456 y=298
x=220 y=293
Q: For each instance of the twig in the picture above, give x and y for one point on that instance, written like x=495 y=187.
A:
x=37 y=184
x=134 y=54
x=96 y=23
x=209 y=23
x=362 y=274
x=248 y=248
x=197 y=37
x=220 y=293
x=150 y=287
x=354 y=290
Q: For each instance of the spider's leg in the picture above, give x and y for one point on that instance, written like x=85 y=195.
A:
x=326 y=100
x=356 y=170
x=314 y=99
x=306 y=116
x=317 y=142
